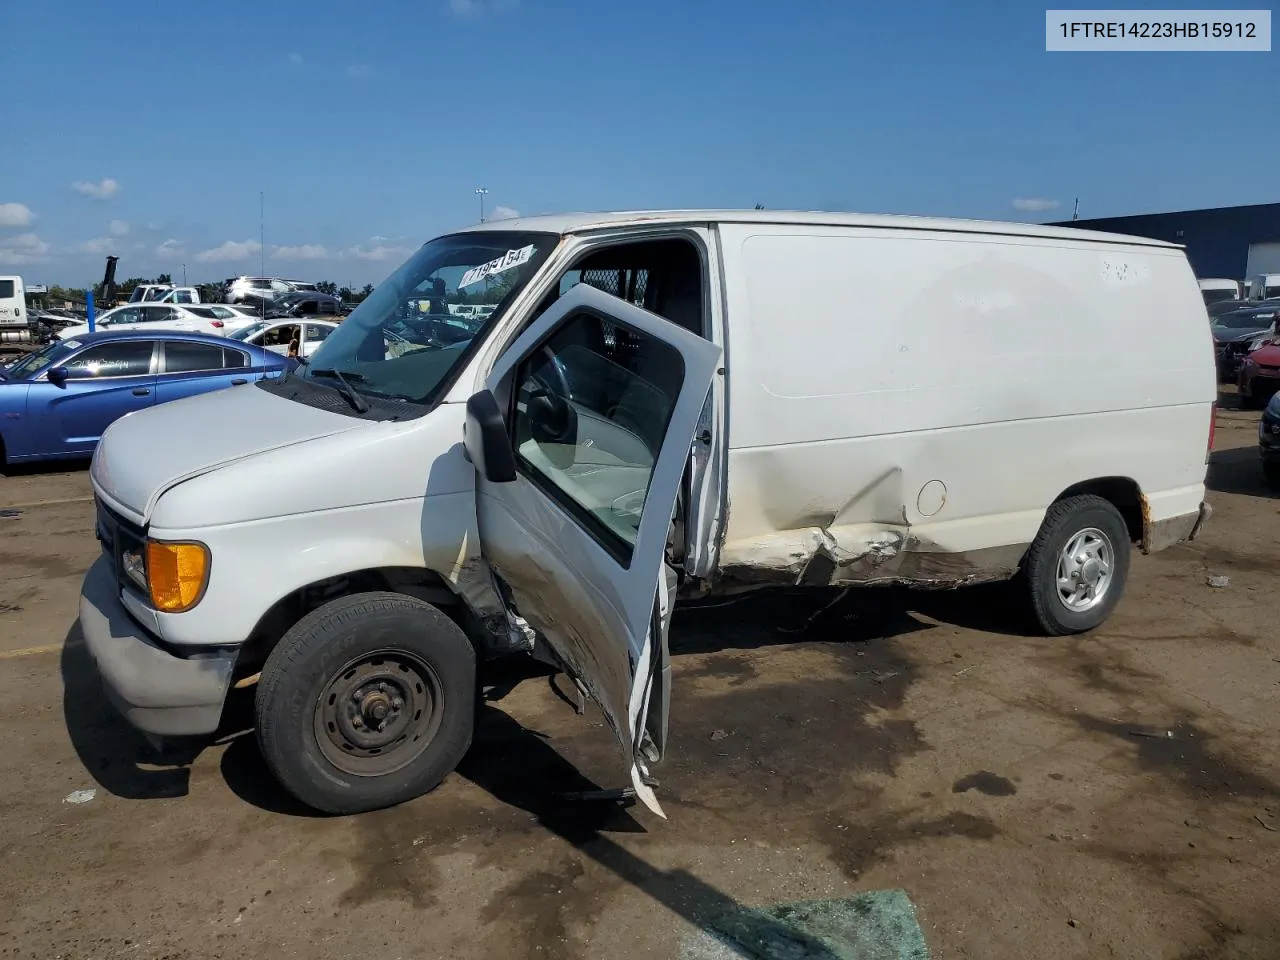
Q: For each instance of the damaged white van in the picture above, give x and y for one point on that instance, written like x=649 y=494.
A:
x=650 y=406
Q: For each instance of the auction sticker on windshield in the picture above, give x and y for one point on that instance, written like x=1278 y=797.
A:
x=508 y=261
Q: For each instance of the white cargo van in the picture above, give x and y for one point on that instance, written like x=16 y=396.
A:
x=1264 y=286
x=1217 y=289
x=659 y=405
x=13 y=303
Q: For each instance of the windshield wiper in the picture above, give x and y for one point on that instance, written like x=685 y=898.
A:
x=345 y=387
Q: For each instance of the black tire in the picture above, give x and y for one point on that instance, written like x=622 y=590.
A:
x=427 y=663
x=1039 y=576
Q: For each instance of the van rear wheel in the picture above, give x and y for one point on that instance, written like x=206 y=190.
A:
x=1075 y=569
x=366 y=702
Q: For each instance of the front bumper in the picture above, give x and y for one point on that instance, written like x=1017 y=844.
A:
x=156 y=691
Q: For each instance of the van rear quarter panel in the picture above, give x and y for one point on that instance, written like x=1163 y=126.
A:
x=908 y=403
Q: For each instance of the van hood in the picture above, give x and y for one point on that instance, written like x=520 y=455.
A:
x=143 y=454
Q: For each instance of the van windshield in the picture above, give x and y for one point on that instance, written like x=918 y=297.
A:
x=407 y=338
x=1217 y=294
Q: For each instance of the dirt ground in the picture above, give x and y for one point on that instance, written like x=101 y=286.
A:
x=1116 y=795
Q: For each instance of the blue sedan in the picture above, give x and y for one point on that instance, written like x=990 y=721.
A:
x=57 y=402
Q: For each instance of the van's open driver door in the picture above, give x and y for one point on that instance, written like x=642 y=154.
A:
x=579 y=442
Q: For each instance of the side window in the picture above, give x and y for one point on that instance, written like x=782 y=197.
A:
x=183 y=296
x=120 y=317
x=587 y=428
x=156 y=314
x=315 y=332
x=328 y=307
x=234 y=359
x=124 y=358
x=180 y=357
x=260 y=284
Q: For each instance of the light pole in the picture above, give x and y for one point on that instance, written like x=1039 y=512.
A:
x=480 y=192
x=184 y=274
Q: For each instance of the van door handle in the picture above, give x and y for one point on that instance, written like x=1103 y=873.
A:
x=141 y=391
x=705 y=437
x=238 y=380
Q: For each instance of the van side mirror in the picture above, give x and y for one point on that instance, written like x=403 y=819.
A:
x=485 y=439
x=57 y=375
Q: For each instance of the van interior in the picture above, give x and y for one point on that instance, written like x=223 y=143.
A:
x=623 y=418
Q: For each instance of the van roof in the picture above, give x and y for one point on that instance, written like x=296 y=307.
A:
x=577 y=222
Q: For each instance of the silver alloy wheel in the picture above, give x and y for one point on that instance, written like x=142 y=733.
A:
x=1086 y=568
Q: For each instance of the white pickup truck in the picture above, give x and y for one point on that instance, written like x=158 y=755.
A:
x=164 y=293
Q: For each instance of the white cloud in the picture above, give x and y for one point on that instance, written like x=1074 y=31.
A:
x=378 y=251
x=1034 y=204
x=118 y=228
x=104 y=189
x=98 y=245
x=307 y=251
x=231 y=250
x=359 y=71
x=170 y=249
x=295 y=59
x=15 y=215
x=503 y=213
x=22 y=249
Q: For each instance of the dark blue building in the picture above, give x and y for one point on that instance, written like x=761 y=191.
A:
x=1218 y=240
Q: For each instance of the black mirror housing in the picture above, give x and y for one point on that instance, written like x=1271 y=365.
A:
x=485 y=439
x=57 y=375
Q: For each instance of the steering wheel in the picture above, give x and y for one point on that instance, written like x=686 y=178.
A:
x=551 y=376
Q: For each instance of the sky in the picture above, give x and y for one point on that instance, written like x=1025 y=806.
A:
x=151 y=130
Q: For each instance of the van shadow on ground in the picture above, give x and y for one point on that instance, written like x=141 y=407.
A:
x=126 y=764
x=1239 y=470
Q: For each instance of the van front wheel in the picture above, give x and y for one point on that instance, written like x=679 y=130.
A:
x=1076 y=568
x=366 y=702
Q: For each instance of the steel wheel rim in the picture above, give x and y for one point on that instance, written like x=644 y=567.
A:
x=378 y=713
x=1086 y=570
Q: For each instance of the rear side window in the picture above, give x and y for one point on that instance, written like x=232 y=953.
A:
x=182 y=357
x=156 y=314
x=260 y=284
x=328 y=307
x=6 y=289
x=125 y=358
x=234 y=359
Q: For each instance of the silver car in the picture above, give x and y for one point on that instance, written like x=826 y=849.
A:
x=261 y=289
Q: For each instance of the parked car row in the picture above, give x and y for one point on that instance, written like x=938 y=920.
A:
x=1237 y=334
x=213 y=318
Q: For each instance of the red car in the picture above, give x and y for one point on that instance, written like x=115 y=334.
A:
x=1259 y=376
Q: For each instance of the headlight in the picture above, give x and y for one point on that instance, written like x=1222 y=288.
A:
x=135 y=566
x=173 y=575
x=1273 y=406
